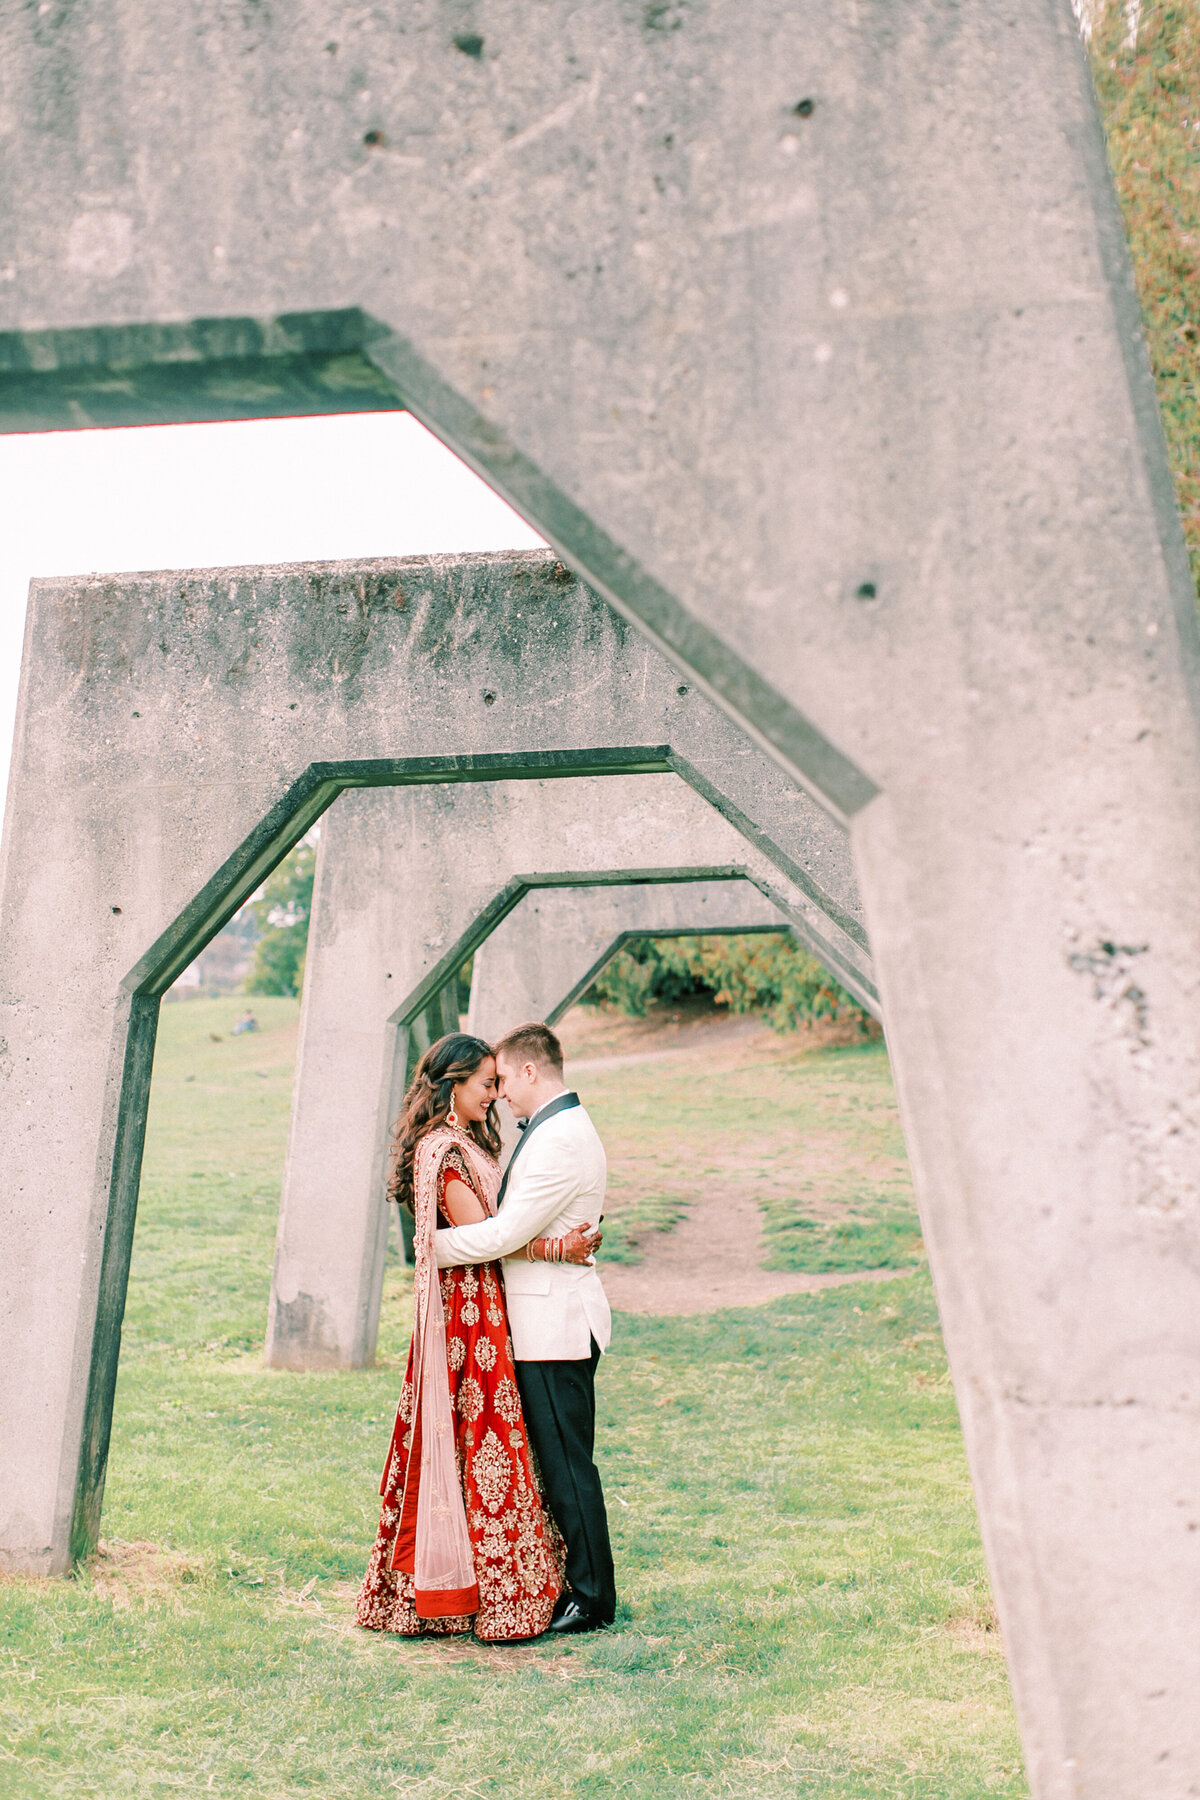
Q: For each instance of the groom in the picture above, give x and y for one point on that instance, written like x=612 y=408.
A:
x=557 y=1311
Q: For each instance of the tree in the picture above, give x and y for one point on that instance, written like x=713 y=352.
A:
x=282 y=912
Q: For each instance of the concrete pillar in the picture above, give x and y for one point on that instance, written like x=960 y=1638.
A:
x=409 y=883
x=548 y=951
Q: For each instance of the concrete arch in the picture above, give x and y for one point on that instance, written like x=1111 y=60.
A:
x=176 y=735
x=410 y=882
x=550 y=949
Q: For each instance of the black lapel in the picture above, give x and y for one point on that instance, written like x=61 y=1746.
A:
x=563 y=1103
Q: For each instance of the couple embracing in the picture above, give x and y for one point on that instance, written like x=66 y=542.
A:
x=493 y=1515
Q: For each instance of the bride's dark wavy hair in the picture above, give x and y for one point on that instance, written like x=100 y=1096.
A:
x=427 y=1103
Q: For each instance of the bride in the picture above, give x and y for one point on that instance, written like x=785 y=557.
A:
x=464 y=1540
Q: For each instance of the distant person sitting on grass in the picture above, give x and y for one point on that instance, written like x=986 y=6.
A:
x=464 y=1541
x=247 y=1022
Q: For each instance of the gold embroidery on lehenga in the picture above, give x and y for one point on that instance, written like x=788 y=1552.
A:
x=508 y=1400
x=456 y=1352
x=529 y=1554
x=491 y=1293
x=470 y=1398
x=484 y=1353
x=493 y=1472
x=495 y=1539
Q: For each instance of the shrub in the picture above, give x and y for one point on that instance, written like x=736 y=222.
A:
x=767 y=972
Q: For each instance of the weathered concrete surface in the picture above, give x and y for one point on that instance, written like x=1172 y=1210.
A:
x=175 y=734
x=409 y=881
x=849 y=406
x=549 y=950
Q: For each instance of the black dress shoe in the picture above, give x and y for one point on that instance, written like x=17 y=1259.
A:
x=574 y=1617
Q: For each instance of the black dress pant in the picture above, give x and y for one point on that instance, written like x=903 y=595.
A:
x=559 y=1399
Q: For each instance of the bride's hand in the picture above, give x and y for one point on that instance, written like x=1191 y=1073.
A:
x=580 y=1245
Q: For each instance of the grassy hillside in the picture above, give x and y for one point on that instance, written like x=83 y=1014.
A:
x=1149 y=92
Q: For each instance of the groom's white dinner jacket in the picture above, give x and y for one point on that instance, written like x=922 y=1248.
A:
x=554 y=1309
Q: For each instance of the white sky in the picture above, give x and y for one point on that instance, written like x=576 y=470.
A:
x=202 y=496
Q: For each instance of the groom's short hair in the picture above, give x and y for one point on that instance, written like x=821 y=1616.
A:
x=532 y=1043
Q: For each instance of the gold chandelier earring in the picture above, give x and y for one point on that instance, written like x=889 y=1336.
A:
x=452 y=1116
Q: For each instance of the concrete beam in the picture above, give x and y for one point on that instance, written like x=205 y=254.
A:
x=176 y=734
x=410 y=882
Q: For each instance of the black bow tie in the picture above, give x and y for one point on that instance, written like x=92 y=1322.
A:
x=522 y=1124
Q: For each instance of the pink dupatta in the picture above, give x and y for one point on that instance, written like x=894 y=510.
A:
x=444 y=1580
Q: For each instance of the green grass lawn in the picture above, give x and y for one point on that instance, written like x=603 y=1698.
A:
x=804 y=1607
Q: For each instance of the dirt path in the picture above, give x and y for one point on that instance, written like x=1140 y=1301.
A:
x=712 y=1257
x=692 y=1039
x=710 y=1261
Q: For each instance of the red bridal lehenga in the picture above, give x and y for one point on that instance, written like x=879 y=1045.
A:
x=464 y=1541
